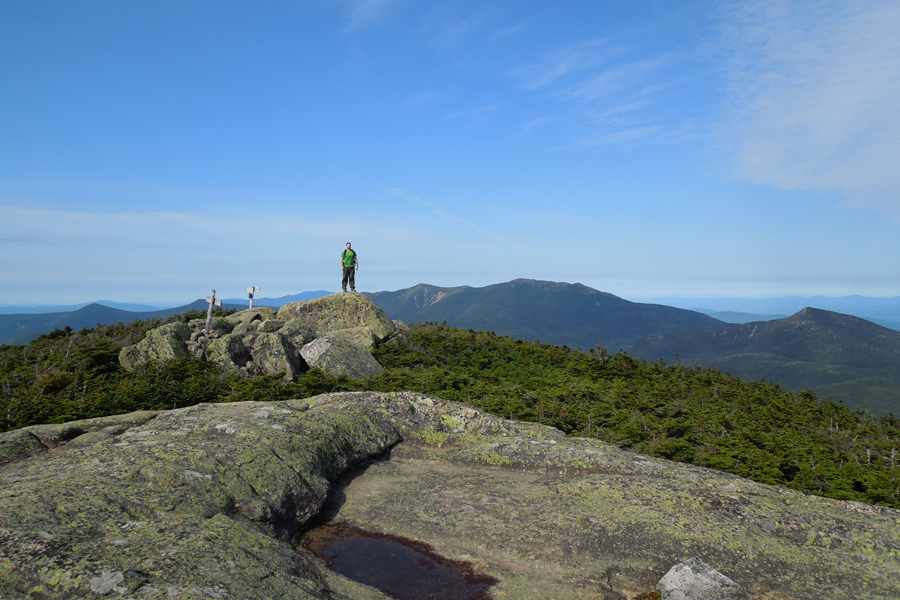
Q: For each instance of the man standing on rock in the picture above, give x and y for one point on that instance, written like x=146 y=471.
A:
x=349 y=264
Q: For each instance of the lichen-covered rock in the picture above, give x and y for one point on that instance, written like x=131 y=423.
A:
x=160 y=344
x=228 y=352
x=361 y=337
x=402 y=328
x=193 y=503
x=201 y=501
x=575 y=518
x=274 y=354
x=298 y=333
x=340 y=311
x=221 y=326
x=696 y=580
x=339 y=357
x=270 y=325
x=260 y=313
x=243 y=328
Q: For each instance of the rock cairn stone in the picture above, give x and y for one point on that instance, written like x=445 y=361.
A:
x=335 y=333
x=696 y=580
x=340 y=311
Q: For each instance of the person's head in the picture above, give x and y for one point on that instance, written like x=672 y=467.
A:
x=348 y=245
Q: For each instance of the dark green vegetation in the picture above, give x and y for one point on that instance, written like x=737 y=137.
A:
x=756 y=430
x=832 y=354
x=559 y=313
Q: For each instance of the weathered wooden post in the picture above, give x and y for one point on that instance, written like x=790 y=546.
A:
x=212 y=302
x=251 y=291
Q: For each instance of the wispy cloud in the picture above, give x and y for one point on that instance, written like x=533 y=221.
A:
x=813 y=94
x=627 y=76
x=474 y=112
x=421 y=98
x=533 y=124
x=510 y=30
x=366 y=12
x=565 y=61
x=610 y=98
x=401 y=194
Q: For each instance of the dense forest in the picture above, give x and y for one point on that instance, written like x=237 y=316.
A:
x=704 y=417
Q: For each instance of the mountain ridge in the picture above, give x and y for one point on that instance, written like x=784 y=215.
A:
x=831 y=353
x=560 y=313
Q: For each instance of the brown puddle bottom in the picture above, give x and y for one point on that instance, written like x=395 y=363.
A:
x=400 y=568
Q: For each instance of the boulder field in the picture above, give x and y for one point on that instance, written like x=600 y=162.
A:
x=209 y=502
x=335 y=333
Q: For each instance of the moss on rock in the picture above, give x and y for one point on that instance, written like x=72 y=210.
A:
x=274 y=354
x=160 y=344
x=228 y=352
x=260 y=313
x=340 y=311
x=340 y=357
x=361 y=337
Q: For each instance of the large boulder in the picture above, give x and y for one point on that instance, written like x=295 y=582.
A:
x=696 y=580
x=274 y=354
x=340 y=311
x=297 y=333
x=361 y=337
x=337 y=356
x=160 y=344
x=228 y=352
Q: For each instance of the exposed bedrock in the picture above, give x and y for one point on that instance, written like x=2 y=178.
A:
x=205 y=501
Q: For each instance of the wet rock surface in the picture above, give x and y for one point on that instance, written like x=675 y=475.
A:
x=404 y=569
x=206 y=501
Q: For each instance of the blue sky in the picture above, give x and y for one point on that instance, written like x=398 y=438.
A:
x=152 y=151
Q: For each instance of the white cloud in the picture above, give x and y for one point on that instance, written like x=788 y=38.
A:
x=813 y=94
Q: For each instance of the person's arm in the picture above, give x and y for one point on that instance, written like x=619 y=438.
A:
x=356 y=261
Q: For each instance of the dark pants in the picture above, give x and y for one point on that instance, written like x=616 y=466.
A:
x=349 y=275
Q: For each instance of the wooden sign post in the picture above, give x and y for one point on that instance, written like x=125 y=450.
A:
x=251 y=291
x=212 y=302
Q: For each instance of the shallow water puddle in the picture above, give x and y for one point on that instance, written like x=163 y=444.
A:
x=400 y=568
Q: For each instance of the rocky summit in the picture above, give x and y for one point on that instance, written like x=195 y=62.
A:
x=334 y=333
x=208 y=502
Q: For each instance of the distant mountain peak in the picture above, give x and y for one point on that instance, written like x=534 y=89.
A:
x=556 y=312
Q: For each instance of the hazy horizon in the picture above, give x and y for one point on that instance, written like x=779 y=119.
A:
x=681 y=301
